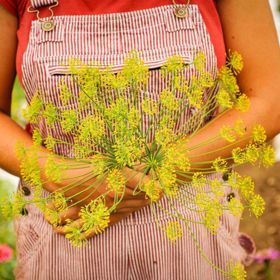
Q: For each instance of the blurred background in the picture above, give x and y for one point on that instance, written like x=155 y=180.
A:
x=265 y=231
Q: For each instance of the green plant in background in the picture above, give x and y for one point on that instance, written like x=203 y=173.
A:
x=111 y=129
x=7 y=239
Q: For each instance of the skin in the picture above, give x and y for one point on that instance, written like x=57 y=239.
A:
x=248 y=28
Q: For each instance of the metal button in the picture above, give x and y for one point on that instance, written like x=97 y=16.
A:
x=181 y=12
x=226 y=174
x=26 y=191
x=24 y=211
x=48 y=25
x=230 y=196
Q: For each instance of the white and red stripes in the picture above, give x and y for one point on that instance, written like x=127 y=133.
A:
x=135 y=248
x=39 y=3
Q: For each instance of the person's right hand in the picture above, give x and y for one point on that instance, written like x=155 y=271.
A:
x=129 y=203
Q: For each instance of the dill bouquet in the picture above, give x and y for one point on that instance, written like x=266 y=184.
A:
x=115 y=124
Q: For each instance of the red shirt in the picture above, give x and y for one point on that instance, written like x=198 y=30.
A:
x=86 y=7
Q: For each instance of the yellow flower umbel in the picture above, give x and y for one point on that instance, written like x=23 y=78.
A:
x=237 y=271
x=152 y=190
x=75 y=234
x=95 y=217
x=235 y=62
x=116 y=181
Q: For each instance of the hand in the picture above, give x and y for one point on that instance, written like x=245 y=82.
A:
x=129 y=204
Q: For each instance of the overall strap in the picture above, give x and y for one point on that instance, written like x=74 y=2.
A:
x=46 y=24
x=35 y=4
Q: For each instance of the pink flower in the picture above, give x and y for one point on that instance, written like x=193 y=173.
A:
x=266 y=254
x=6 y=253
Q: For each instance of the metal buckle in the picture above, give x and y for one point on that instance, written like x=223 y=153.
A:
x=46 y=24
x=181 y=12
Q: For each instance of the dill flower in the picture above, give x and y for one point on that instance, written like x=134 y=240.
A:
x=126 y=151
x=173 y=230
x=164 y=135
x=149 y=106
x=173 y=65
x=69 y=120
x=168 y=100
x=133 y=118
x=237 y=272
x=36 y=137
x=95 y=216
x=206 y=80
x=246 y=186
x=34 y=109
x=195 y=97
x=242 y=103
x=116 y=181
x=53 y=216
x=216 y=187
x=211 y=217
x=167 y=178
x=99 y=164
x=198 y=180
x=220 y=165
x=235 y=62
x=202 y=200
x=224 y=98
x=152 y=190
x=92 y=128
x=74 y=234
x=30 y=169
x=53 y=169
x=235 y=207
x=239 y=155
x=18 y=203
x=65 y=93
x=50 y=113
x=259 y=134
x=81 y=150
x=59 y=201
x=50 y=142
x=228 y=80
x=267 y=155
x=199 y=61
x=134 y=70
x=252 y=153
x=227 y=133
x=257 y=205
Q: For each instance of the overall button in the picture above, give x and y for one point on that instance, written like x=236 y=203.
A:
x=24 y=211
x=226 y=175
x=230 y=196
x=26 y=191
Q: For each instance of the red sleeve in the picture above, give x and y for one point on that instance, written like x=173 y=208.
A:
x=10 y=5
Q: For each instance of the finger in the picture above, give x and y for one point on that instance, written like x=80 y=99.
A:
x=133 y=203
x=71 y=213
x=65 y=229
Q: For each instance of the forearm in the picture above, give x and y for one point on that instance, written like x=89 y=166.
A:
x=12 y=134
x=261 y=112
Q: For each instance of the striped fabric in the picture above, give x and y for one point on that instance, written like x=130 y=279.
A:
x=135 y=248
x=39 y=3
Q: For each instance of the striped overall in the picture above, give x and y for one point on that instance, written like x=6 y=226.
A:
x=135 y=248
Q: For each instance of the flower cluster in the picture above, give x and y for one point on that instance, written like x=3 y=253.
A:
x=115 y=122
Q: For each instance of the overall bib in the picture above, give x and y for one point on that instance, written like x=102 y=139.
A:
x=135 y=248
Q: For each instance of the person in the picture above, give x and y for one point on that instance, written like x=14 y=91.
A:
x=37 y=35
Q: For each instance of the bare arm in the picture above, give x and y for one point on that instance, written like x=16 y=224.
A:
x=248 y=28
x=10 y=131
